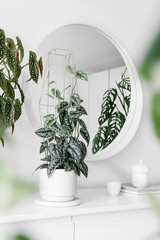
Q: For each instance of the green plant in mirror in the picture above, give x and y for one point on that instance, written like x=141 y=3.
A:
x=11 y=57
x=62 y=131
x=112 y=118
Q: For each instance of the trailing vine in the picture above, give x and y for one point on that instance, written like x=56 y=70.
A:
x=61 y=132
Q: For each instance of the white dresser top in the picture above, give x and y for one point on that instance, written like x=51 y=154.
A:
x=95 y=200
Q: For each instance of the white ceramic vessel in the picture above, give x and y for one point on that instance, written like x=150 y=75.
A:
x=140 y=175
x=60 y=186
x=113 y=187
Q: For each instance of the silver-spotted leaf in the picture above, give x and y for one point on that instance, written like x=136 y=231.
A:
x=33 y=66
x=84 y=133
x=2 y=43
x=44 y=133
x=11 y=44
x=9 y=112
x=75 y=151
x=11 y=59
x=83 y=168
x=21 y=48
x=75 y=99
x=17 y=109
x=3 y=81
x=82 y=75
x=9 y=90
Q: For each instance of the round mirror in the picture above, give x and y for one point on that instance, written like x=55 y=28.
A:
x=112 y=95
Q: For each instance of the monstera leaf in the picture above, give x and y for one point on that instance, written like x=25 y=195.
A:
x=127 y=100
x=125 y=82
x=99 y=139
x=115 y=124
x=108 y=105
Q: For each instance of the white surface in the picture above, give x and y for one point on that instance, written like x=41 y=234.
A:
x=133 y=23
x=113 y=187
x=93 y=201
x=72 y=203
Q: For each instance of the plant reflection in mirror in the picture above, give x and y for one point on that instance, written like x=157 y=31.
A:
x=112 y=118
x=62 y=130
x=11 y=93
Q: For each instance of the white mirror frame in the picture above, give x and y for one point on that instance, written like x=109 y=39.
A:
x=133 y=119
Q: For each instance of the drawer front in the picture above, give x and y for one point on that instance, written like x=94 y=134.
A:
x=132 y=225
x=46 y=229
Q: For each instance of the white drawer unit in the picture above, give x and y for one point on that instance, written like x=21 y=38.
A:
x=98 y=217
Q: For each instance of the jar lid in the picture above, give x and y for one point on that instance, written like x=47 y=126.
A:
x=140 y=167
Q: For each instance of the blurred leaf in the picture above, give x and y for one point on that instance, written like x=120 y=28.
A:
x=18 y=237
x=156 y=112
x=154 y=203
x=152 y=57
x=70 y=69
x=13 y=188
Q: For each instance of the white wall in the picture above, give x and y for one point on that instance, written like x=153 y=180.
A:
x=132 y=23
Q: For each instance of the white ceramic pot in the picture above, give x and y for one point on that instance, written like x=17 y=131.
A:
x=60 y=186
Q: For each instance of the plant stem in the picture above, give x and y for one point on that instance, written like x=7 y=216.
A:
x=25 y=65
x=7 y=69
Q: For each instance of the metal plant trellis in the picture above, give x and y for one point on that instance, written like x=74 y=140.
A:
x=56 y=75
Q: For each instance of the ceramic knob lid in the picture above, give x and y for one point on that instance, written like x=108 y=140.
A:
x=140 y=167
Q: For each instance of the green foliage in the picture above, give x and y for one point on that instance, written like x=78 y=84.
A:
x=61 y=132
x=33 y=66
x=152 y=57
x=111 y=119
x=19 y=237
x=11 y=56
x=2 y=43
x=156 y=112
x=20 y=48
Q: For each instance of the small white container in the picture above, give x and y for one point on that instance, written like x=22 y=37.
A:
x=113 y=187
x=140 y=175
x=60 y=186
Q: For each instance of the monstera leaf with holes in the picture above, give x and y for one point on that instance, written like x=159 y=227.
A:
x=112 y=119
x=11 y=57
x=61 y=132
x=108 y=105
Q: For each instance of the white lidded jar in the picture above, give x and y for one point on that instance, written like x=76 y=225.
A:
x=140 y=175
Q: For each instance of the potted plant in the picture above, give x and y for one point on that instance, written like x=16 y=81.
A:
x=63 y=145
x=11 y=93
